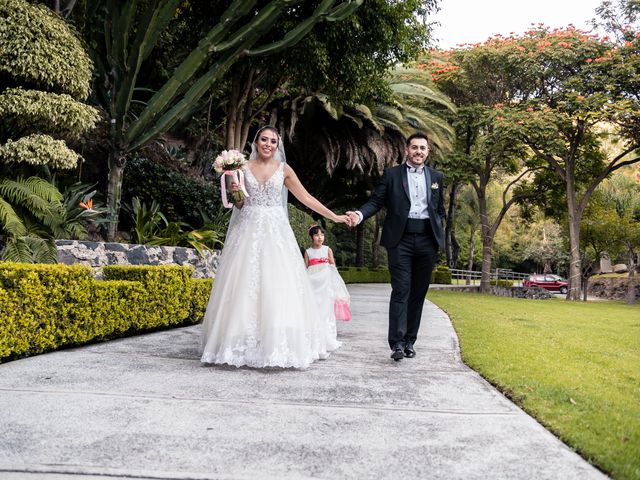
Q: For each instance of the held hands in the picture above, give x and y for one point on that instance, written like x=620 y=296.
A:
x=343 y=219
x=234 y=187
x=353 y=218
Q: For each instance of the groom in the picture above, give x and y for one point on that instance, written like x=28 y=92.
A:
x=412 y=233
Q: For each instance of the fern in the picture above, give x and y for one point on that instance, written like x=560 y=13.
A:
x=10 y=222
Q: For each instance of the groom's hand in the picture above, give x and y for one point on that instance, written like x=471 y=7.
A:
x=354 y=219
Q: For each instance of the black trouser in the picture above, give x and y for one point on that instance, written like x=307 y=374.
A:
x=410 y=265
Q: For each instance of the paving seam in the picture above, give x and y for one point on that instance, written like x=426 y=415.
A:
x=268 y=403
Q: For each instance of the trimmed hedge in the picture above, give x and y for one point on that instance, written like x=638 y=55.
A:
x=501 y=283
x=441 y=275
x=364 y=275
x=45 y=307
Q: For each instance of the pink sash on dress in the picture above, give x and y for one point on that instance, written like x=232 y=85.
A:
x=317 y=261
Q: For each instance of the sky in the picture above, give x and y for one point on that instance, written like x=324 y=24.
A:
x=470 y=21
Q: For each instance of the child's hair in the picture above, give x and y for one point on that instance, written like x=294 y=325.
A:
x=313 y=229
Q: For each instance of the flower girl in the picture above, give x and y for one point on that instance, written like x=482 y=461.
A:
x=330 y=291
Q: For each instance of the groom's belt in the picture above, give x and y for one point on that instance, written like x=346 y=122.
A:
x=417 y=225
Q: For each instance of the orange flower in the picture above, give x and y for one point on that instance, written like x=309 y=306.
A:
x=88 y=205
x=530 y=109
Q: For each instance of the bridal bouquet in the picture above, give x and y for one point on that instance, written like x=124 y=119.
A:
x=229 y=163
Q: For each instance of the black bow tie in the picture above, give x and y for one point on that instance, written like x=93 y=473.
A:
x=415 y=169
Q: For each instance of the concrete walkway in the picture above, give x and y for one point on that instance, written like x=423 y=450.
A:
x=144 y=407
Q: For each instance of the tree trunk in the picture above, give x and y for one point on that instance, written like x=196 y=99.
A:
x=375 y=244
x=472 y=252
x=117 y=163
x=631 y=286
x=360 y=245
x=575 y=262
x=485 y=279
x=449 y=227
x=487 y=240
x=455 y=251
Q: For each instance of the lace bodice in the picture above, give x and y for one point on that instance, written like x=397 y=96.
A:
x=268 y=194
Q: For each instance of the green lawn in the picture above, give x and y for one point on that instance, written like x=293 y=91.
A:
x=574 y=366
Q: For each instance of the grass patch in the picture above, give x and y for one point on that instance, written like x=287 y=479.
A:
x=574 y=366
x=609 y=275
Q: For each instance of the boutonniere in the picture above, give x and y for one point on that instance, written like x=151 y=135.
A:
x=435 y=186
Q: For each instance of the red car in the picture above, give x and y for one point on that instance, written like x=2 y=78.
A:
x=548 y=282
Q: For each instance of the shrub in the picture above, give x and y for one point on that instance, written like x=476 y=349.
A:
x=441 y=275
x=364 y=275
x=502 y=283
x=45 y=307
x=180 y=198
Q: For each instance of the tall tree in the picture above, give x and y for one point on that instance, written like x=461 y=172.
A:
x=574 y=92
x=478 y=80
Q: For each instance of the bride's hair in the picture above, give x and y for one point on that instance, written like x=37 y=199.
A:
x=266 y=127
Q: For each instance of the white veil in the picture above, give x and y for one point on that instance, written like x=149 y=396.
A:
x=278 y=155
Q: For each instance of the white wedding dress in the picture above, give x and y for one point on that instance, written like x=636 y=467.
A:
x=261 y=311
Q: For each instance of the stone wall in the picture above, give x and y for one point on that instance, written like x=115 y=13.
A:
x=99 y=254
x=613 y=288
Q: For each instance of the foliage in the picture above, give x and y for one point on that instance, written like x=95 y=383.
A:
x=564 y=89
x=502 y=283
x=484 y=155
x=181 y=198
x=183 y=235
x=544 y=244
x=38 y=149
x=38 y=48
x=31 y=216
x=147 y=221
x=44 y=71
x=364 y=275
x=35 y=111
x=123 y=36
x=81 y=210
x=441 y=275
x=150 y=227
x=552 y=359
x=46 y=307
x=348 y=60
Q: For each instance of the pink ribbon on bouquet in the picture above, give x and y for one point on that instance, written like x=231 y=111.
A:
x=239 y=177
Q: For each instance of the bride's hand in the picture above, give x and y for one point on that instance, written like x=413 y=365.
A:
x=343 y=219
x=234 y=187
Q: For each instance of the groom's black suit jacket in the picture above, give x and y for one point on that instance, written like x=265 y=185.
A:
x=393 y=193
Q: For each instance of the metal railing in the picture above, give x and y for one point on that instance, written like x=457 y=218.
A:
x=472 y=277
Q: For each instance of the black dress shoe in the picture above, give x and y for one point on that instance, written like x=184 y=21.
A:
x=409 y=352
x=397 y=354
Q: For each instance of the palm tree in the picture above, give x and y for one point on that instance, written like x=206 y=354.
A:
x=343 y=151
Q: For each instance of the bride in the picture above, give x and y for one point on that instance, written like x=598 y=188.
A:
x=261 y=311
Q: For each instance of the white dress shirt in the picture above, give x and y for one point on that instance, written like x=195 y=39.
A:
x=417 y=193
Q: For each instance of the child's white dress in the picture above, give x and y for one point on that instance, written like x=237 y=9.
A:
x=330 y=291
